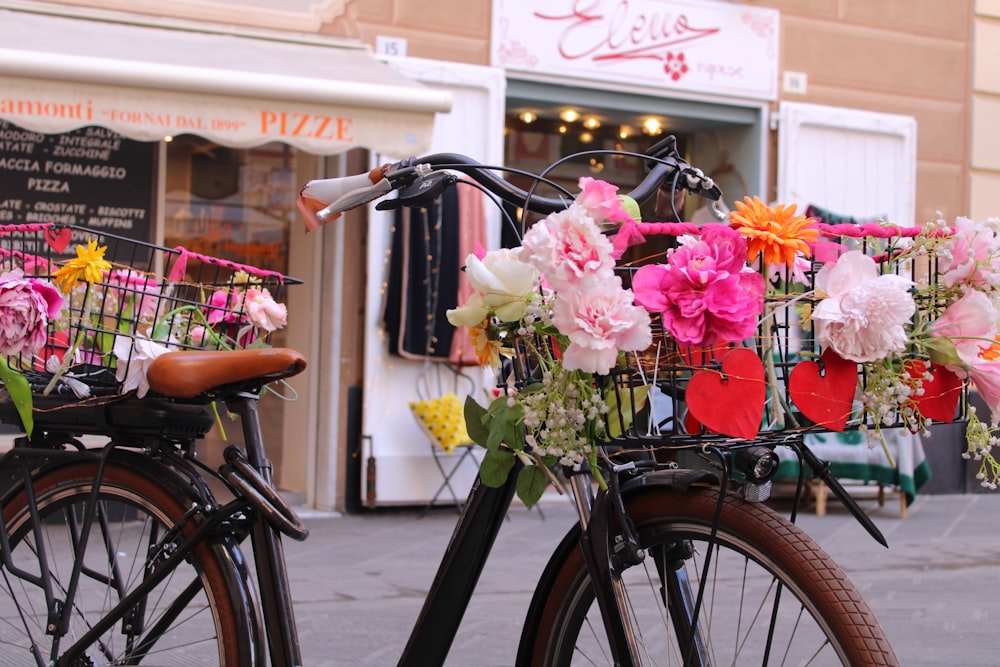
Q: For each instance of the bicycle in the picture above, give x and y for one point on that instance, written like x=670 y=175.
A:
x=723 y=575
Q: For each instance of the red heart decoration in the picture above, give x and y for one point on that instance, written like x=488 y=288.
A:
x=730 y=402
x=941 y=393
x=691 y=425
x=824 y=398
x=58 y=239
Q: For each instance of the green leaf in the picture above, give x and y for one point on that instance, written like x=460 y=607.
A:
x=625 y=409
x=531 y=484
x=20 y=393
x=504 y=424
x=475 y=424
x=495 y=467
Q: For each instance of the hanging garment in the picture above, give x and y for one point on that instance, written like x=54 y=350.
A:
x=423 y=277
x=472 y=235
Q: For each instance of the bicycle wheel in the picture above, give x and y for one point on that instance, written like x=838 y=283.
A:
x=770 y=595
x=202 y=613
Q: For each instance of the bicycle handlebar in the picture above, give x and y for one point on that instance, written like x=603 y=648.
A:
x=420 y=180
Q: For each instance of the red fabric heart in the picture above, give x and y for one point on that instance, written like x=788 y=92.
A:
x=58 y=239
x=730 y=402
x=691 y=425
x=941 y=393
x=825 y=399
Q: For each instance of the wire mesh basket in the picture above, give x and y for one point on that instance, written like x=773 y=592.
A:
x=784 y=379
x=781 y=379
x=114 y=302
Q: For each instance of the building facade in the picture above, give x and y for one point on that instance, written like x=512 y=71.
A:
x=861 y=109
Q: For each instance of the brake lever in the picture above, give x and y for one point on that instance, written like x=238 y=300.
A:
x=421 y=192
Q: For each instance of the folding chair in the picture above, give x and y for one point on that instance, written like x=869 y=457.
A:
x=441 y=390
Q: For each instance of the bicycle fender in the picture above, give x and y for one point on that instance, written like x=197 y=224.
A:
x=680 y=478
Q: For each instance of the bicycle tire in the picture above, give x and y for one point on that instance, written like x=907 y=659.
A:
x=770 y=549
x=218 y=625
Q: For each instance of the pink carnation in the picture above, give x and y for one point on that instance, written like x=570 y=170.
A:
x=705 y=291
x=26 y=306
x=865 y=314
x=568 y=249
x=263 y=311
x=222 y=305
x=600 y=199
x=599 y=322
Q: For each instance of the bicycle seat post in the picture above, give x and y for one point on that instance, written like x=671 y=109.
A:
x=244 y=405
x=279 y=617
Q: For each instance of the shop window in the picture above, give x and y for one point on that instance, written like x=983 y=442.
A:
x=536 y=137
x=232 y=203
x=237 y=204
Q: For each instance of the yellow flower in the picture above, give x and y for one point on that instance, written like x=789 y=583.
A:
x=88 y=265
x=778 y=233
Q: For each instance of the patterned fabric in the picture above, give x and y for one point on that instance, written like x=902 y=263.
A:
x=443 y=420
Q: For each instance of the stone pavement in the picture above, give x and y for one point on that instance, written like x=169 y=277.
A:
x=359 y=580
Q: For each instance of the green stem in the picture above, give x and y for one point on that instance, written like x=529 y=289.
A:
x=67 y=359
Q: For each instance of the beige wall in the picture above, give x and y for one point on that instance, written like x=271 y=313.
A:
x=984 y=172
x=910 y=57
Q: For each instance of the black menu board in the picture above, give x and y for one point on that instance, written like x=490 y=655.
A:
x=91 y=177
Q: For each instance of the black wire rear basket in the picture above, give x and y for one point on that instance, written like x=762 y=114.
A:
x=112 y=303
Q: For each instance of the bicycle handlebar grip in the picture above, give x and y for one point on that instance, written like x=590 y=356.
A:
x=323 y=200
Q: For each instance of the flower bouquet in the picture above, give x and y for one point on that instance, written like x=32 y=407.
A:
x=88 y=326
x=764 y=327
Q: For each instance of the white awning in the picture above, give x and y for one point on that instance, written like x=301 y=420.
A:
x=59 y=73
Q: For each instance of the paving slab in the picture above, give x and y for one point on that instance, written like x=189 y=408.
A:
x=359 y=580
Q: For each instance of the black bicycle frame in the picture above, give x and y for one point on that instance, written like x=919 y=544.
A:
x=459 y=571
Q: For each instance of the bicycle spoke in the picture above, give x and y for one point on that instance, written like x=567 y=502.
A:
x=174 y=620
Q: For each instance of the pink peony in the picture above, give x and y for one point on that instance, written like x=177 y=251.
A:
x=973 y=256
x=221 y=306
x=137 y=289
x=26 y=307
x=198 y=336
x=33 y=265
x=970 y=323
x=864 y=316
x=969 y=329
x=705 y=291
x=599 y=322
x=985 y=376
x=263 y=311
x=568 y=249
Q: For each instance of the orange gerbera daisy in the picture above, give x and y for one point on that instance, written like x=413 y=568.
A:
x=776 y=233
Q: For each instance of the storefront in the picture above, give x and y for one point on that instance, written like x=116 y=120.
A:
x=615 y=75
x=563 y=62
x=181 y=134
x=624 y=75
